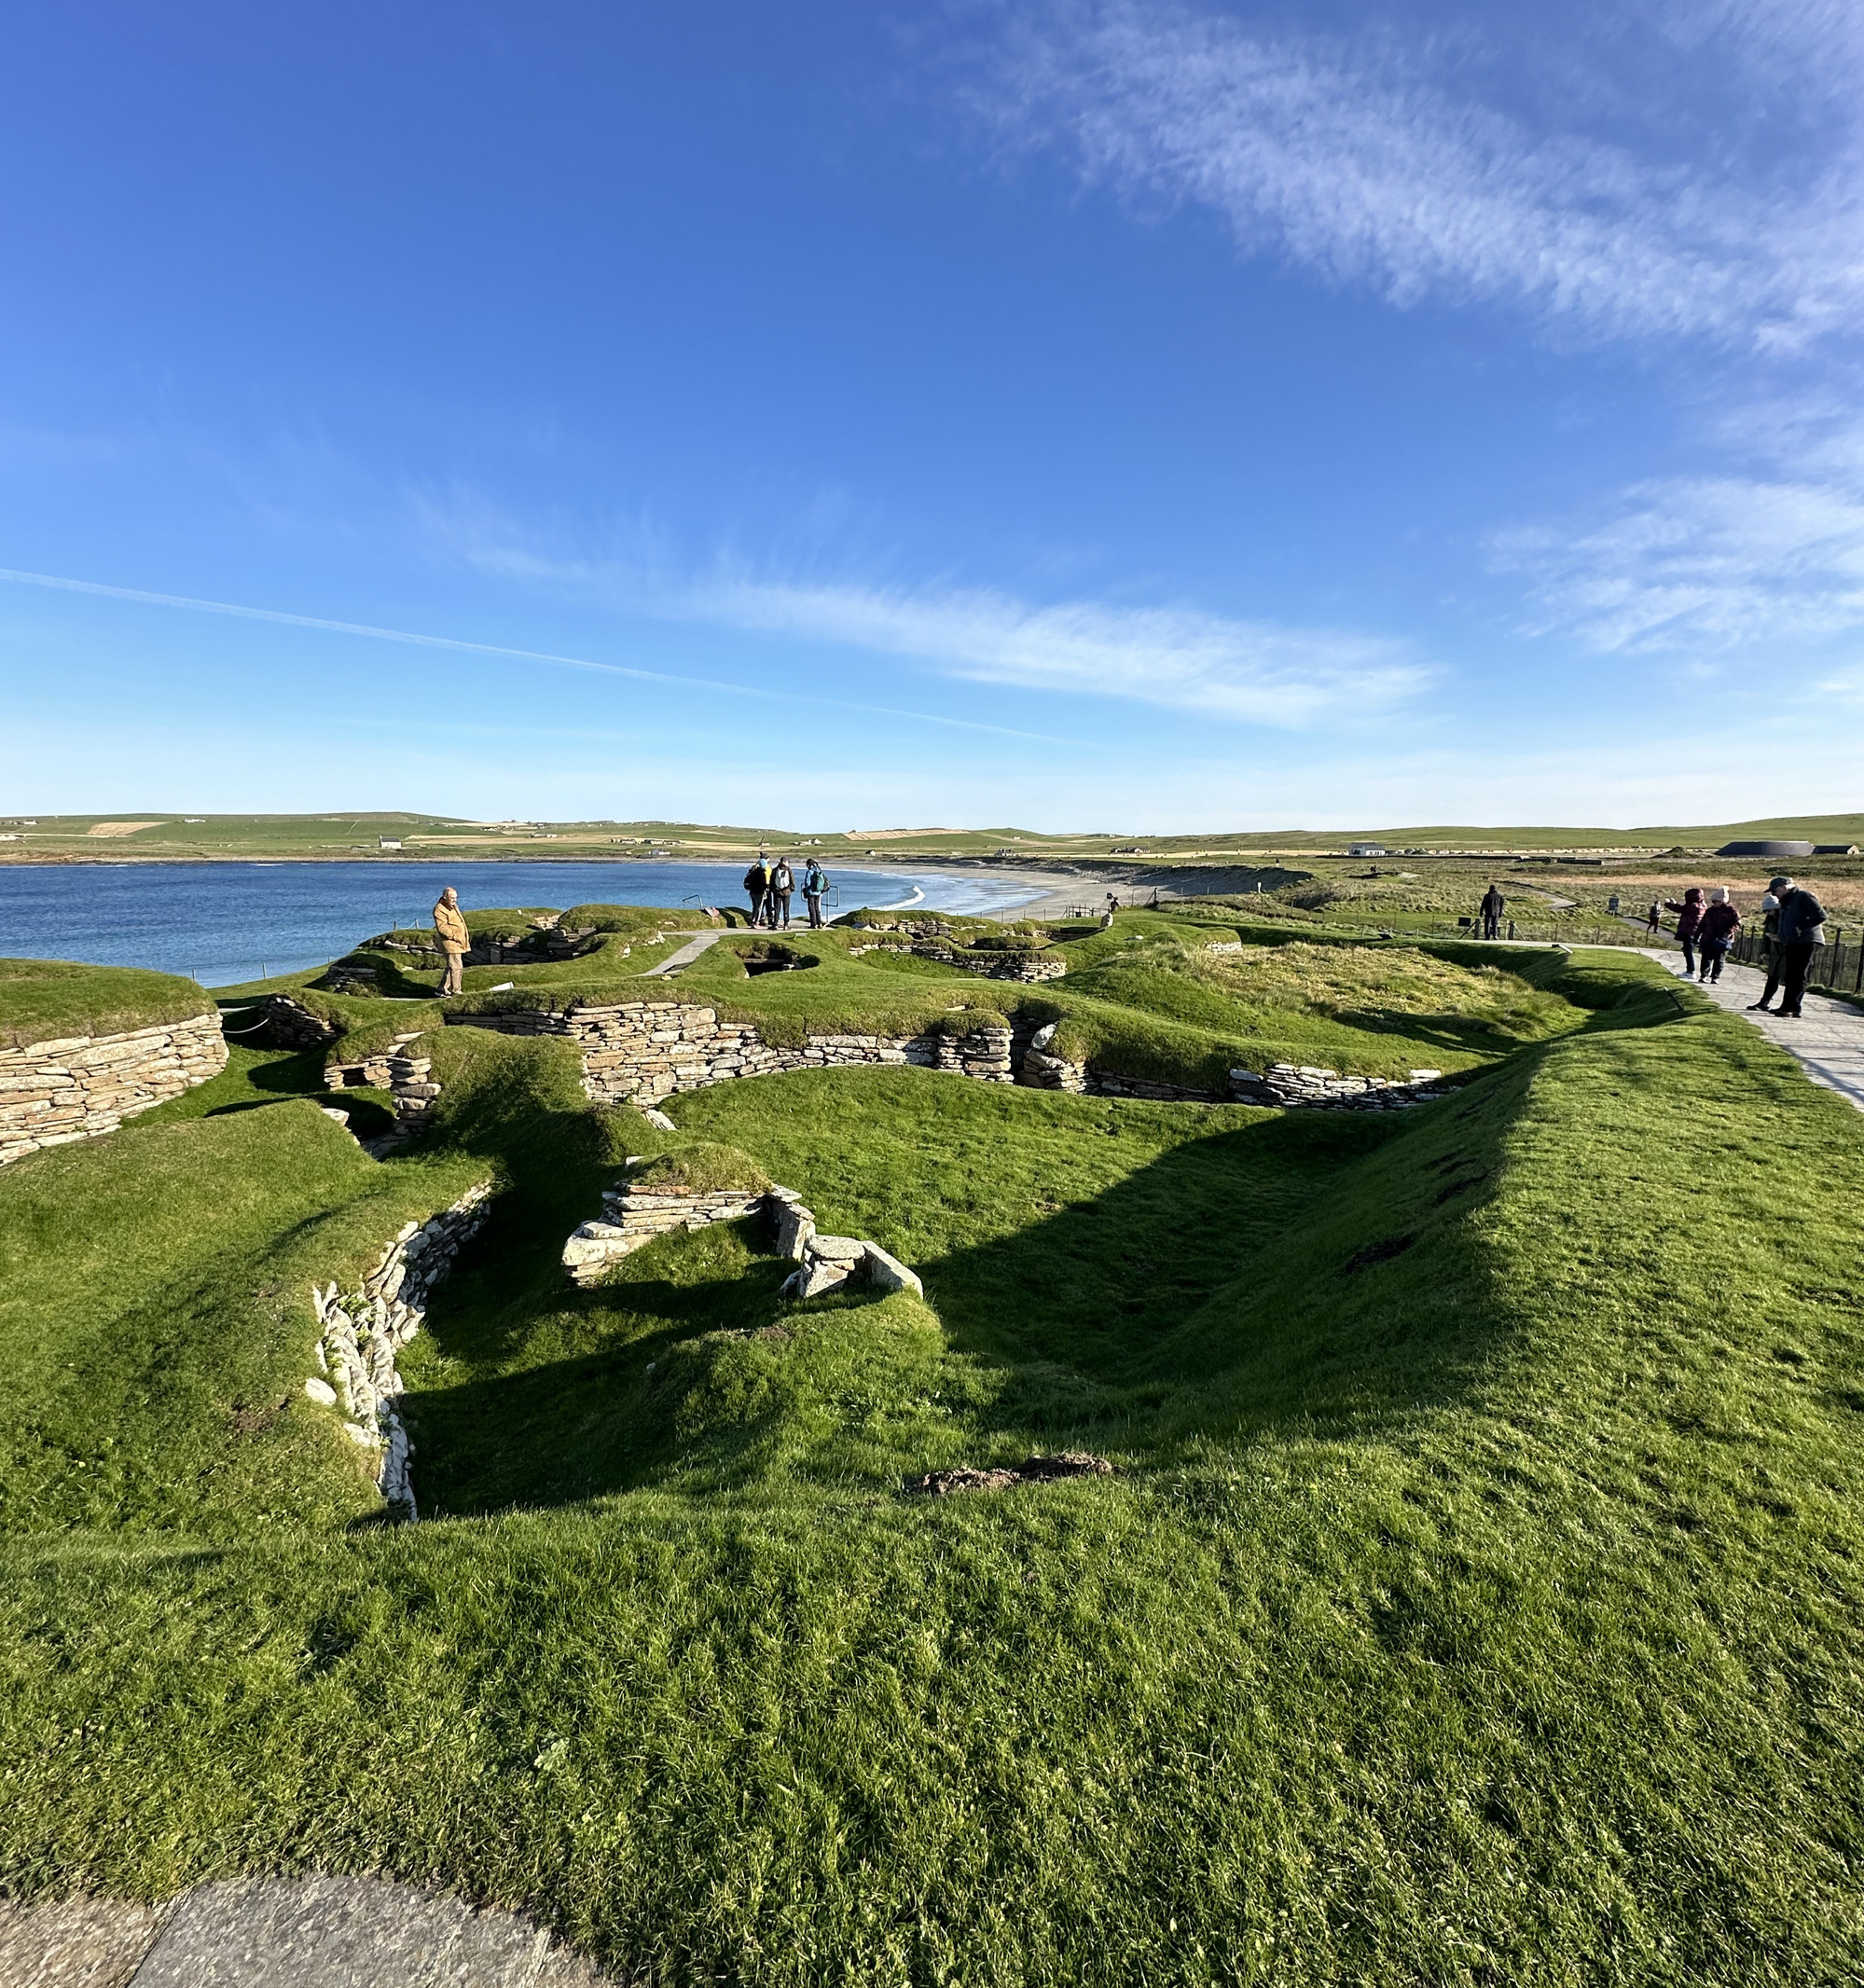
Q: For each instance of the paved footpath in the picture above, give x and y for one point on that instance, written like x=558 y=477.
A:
x=696 y=942
x=313 y=1932
x=1829 y=1040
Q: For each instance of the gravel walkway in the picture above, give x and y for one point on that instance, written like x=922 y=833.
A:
x=314 y=1932
x=1829 y=1040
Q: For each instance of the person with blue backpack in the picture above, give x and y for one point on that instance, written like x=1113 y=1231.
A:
x=815 y=883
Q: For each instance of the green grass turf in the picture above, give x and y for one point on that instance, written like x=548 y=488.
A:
x=42 y=1000
x=1479 y=1600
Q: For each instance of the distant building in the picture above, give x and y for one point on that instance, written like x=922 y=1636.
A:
x=1366 y=849
x=387 y=842
x=1763 y=849
x=1835 y=848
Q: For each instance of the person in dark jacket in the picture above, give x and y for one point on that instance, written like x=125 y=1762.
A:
x=1802 y=934
x=1689 y=922
x=783 y=885
x=1493 y=904
x=1770 y=941
x=1654 y=924
x=757 y=886
x=1716 y=934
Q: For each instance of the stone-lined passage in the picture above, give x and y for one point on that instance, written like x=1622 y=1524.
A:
x=77 y=1086
x=1029 y=968
x=631 y=1219
x=362 y=1333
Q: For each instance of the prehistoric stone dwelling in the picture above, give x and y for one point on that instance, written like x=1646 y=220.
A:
x=641 y=1052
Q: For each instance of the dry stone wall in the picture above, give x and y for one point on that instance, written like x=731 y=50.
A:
x=632 y=1218
x=77 y=1087
x=363 y=1331
x=1283 y=1085
x=405 y=1074
x=640 y=1052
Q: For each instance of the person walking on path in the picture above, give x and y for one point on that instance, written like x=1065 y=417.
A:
x=1689 y=922
x=1715 y=933
x=782 y=886
x=1769 y=943
x=756 y=886
x=815 y=882
x=1654 y=924
x=1802 y=933
x=449 y=929
x=1493 y=904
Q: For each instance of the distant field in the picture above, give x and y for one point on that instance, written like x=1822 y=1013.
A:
x=130 y=834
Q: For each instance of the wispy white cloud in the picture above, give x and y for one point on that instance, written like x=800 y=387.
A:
x=1255 y=671
x=1381 y=166
x=60 y=584
x=1709 y=563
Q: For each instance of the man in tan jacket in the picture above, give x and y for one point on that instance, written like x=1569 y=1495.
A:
x=450 y=928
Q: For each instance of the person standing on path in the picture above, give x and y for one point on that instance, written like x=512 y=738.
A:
x=1689 y=922
x=782 y=884
x=756 y=884
x=1802 y=933
x=815 y=882
x=1769 y=943
x=1716 y=934
x=1493 y=904
x=449 y=929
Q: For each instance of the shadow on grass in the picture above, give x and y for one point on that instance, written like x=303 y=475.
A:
x=1320 y=1271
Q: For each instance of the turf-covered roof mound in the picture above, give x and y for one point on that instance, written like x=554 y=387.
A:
x=43 y=999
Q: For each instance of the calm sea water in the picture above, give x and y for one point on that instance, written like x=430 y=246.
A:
x=223 y=922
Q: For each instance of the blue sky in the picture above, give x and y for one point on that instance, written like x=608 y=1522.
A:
x=1084 y=416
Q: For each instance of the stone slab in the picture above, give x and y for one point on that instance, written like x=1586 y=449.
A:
x=75 y=1942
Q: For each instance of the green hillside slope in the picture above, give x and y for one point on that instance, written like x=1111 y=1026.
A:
x=1477 y=1598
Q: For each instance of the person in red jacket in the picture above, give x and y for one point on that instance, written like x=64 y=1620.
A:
x=1716 y=934
x=1689 y=922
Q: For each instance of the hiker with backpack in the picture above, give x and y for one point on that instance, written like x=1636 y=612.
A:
x=815 y=883
x=783 y=882
x=1493 y=905
x=1716 y=934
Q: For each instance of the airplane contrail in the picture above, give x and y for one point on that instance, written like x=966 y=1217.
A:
x=487 y=648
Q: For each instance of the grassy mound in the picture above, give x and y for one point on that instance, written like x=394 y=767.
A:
x=699 y=1166
x=1478 y=1599
x=42 y=1000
